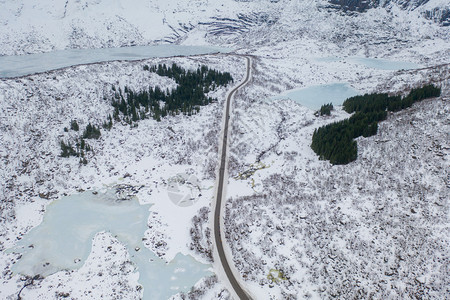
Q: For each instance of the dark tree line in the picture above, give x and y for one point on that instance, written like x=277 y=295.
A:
x=335 y=141
x=415 y=95
x=186 y=98
x=378 y=102
x=326 y=109
x=130 y=106
x=203 y=76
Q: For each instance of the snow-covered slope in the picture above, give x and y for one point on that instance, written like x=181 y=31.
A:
x=435 y=10
x=33 y=114
x=348 y=231
x=28 y=26
x=375 y=228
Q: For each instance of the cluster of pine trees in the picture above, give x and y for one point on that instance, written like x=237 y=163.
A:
x=186 y=98
x=335 y=142
x=203 y=76
x=377 y=102
x=130 y=106
x=81 y=146
x=91 y=132
x=326 y=109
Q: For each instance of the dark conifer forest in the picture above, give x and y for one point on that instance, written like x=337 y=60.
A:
x=131 y=106
x=335 y=142
x=187 y=98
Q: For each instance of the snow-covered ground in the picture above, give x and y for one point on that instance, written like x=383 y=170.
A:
x=28 y=26
x=153 y=156
x=377 y=227
x=150 y=157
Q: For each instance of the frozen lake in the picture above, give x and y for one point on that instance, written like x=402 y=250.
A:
x=20 y=65
x=64 y=239
x=383 y=64
x=374 y=63
x=315 y=96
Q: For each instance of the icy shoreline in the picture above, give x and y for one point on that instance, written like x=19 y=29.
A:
x=31 y=64
x=146 y=156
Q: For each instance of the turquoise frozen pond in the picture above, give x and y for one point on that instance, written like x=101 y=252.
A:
x=383 y=64
x=64 y=239
x=20 y=65
x=374 y=63
x=315 y=96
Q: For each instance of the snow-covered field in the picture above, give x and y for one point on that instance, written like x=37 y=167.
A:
x=29 y=27
x=377 y=227
x=149 y=157
x=291 y=217
x=297 y=227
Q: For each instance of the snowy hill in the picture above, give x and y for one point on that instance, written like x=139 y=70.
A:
x=437 y=11
x=363 y=5
x=28 y=26
x=353 y=232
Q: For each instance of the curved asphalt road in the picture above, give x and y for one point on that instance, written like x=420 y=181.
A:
x=217 y=214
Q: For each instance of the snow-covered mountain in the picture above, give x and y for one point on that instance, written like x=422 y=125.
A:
x=436 y=11
x=363 y=5
x=28 y=26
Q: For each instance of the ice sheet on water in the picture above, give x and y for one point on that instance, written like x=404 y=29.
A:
x=371 y=62
x=383 y=64
x=20 y=65
x=315 y=96
x=64 y=239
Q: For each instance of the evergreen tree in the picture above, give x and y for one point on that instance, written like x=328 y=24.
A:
x=91 y=132
x=334 y=142
x=186 y=98
x=74 y=125
x=326 y=109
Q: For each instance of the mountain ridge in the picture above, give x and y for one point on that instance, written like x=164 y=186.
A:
x=29 y=27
